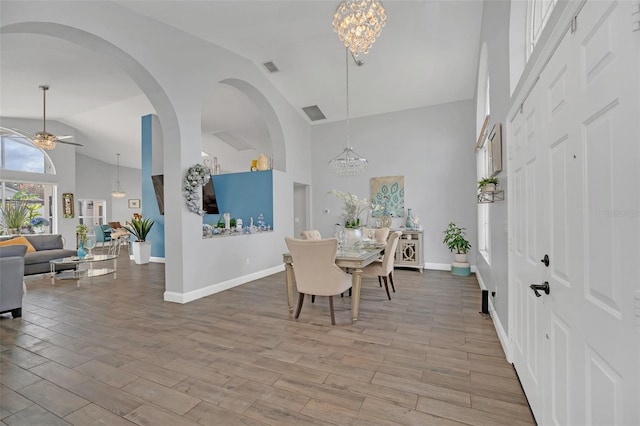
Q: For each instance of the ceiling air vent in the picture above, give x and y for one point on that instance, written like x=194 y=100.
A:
x=271 y=67
x=314 y=113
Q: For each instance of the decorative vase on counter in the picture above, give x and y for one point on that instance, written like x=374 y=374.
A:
x=262 y=163
x=410 y=223
x=81 y=251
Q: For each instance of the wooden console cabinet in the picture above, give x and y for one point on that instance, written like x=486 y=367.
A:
x=409 y=250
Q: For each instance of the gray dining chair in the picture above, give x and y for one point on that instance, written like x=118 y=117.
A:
x=315 y=270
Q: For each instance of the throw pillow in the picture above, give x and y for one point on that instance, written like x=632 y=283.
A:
x=22 y=241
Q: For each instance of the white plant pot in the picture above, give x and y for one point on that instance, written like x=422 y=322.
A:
x=489 y=187
x=460 y=257
x=141 y=252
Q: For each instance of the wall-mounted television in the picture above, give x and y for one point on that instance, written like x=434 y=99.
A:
x=209 y=202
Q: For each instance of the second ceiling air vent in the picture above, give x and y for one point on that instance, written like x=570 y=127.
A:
x=314 y=113
x=271 y=67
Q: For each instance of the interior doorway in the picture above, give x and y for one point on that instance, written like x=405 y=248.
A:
x=301 y=208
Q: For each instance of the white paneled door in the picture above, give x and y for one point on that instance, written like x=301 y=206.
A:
x=575 y=199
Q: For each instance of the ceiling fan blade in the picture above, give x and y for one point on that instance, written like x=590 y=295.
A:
x=69 y=143
x=64 y=137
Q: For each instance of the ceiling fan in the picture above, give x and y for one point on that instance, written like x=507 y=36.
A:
x=44 y=139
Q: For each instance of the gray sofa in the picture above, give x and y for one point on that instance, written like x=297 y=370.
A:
x=48 y=247
x=11 y=275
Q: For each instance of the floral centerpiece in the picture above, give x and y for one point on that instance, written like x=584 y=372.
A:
x=38 y=223
x=354 y=207
x=82 y=230
x=196 y=176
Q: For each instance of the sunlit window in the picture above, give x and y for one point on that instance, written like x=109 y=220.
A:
x=18 y=154
x=538 y=13
x=482 y=170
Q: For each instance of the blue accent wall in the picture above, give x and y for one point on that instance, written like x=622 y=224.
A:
x=149 y=204
x=243 y=195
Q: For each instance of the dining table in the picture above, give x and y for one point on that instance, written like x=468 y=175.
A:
x=353 y=259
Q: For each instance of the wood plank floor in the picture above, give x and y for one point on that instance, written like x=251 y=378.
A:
x=113 y=352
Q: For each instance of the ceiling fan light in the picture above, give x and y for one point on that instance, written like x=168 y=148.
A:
x=44 y=140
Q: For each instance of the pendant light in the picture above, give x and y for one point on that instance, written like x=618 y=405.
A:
x=348 y=162
x=118 y=193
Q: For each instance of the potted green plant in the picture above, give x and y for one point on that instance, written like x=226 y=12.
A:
x=454 y=238
x=487 y=184
x=14 y=216
x=139 y=227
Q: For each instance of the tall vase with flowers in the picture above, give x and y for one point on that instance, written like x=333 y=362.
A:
x=352 y=211
x=81 y=231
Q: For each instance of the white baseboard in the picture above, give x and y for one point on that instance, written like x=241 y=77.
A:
x=443 y=267
x=502 y=335
x=438 y=266
x=170 y=296
x=152 y=259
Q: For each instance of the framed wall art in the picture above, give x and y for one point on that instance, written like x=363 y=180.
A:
x=495 y=149
x=134 y=203
x=483 y=132
x=388 y=191
x=67 y=205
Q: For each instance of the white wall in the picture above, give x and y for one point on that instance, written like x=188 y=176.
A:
x=96 y=179
x=495 y=32
x=431 y=147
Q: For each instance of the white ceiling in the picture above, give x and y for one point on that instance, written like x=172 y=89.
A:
x=426 y=55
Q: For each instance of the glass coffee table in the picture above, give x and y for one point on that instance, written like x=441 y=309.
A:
x=79 y=271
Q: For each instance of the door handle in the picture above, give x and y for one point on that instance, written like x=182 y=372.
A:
x=544 y=287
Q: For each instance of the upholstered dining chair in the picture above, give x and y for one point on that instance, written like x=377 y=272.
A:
x=103 y=235
x=312 y=234
x=315 y=270
x=381 y=234
x=383 y=268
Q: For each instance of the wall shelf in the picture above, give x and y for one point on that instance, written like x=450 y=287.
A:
x=491 y=196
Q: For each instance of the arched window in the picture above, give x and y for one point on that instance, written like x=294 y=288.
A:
x=18 y=154
x=538 y=13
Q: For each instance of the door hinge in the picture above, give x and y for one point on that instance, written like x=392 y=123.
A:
x=635 y=16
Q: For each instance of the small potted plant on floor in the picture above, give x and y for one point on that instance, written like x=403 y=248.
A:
x=139 y=227
x=487 y=184
x=454 y=238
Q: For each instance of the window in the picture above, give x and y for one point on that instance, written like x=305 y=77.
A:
x=538 y=13
x=483 y=170
x=484 y=240
x=18 y=154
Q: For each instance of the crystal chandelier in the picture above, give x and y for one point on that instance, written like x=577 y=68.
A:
x=348 y=162
x=358 y=23
x=118 y=193
x=44 y=139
